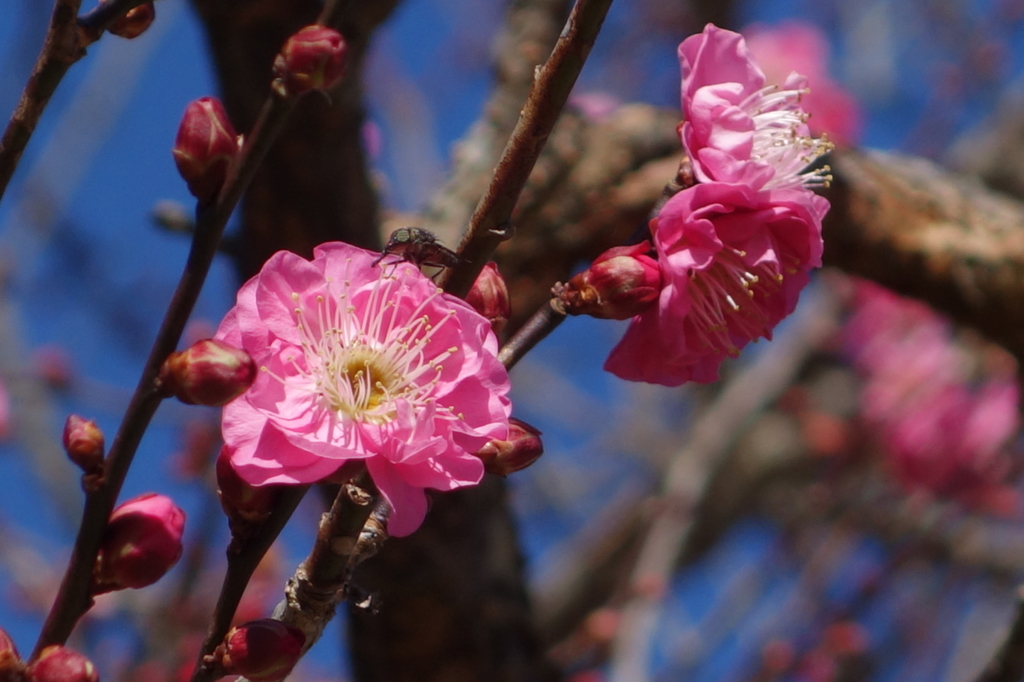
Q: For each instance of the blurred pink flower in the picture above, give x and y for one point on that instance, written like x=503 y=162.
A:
x=939 y=433
x=733 y=262
x=735 y=128
x=362 y=362
x=801 y=47
x=5 y=412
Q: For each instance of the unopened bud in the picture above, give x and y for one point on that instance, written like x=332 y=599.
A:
x=58 y=664
x=489 y=296
x=209 y=372
x=622 y=282
x=246 y=505
x=312 y=59
x=83 y=441
x=134 y=22
x=262 y=650
x=205 y=148
x=141 y=543
x=523 y=448
x=10 y=662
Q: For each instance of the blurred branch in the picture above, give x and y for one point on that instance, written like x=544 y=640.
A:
x=490 y=223
x=1007 y=664
x=685 y=480
x=925 y=232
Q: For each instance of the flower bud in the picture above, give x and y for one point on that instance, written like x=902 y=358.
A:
x=209 y=372
x=205 y=148
x=262 y=650
x=523 y=448
x=83 y=441
x=622 y=282
x=134 y=22
x=10 y=661
x=141 y=543
x=489 y=296
x=58 y=664
x=245 y=505
x=312 y=59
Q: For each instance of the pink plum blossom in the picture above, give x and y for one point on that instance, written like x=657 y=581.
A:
x=735 y=128
x=733 y=262
x=360 y=362
x=802 y=47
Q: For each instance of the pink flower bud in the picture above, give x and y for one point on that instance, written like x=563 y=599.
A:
x=209 y=372
x=58 y=664
x=10 y=662
x=141 y=543
x=312 y=59
x=262 y=650
x=622 y=282
x=205 y=148
x=83 y=441
x=245 y=505
x=523 y=448
x=489 y=296
x=135 y=21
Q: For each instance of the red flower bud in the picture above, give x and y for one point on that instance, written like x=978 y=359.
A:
x=10 y=662
x=312 y=59
x=57 y=664
x=209 y=372
x=83 y=441
x=135 y=21
x=141 y=543
x=489 y=296
x=621 y=283
x=523 y=448
x=205 y=148
x=262 y=650
x=245 y=505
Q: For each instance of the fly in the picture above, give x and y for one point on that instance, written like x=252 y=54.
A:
x=419 y=247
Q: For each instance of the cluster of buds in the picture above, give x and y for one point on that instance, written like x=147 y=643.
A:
x=263 y=650
x=246 y=506
x=209 y=372
x=83 y=441
x=523 y=448
x=141 y=543
x=312 y=59
x=205 y=148
x=134 y=22
x=621 y=283
x=489 y=297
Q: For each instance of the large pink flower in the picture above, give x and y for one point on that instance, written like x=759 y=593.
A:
x=735 y=128
x=733 y=262
x=362 y=362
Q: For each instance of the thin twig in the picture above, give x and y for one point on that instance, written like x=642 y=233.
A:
x=61 y=49
x=1007 y=664
x=74 y=599
x=490 y=224
x=100 y=18
x=241 y=565
x=536 y=329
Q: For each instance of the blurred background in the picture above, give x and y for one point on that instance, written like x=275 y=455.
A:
x=845 y=505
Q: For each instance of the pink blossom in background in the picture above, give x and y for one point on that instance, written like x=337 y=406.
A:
x=733 y=262
x=360 y=362
x=736 y=128
x=5 y=412
x=802 y=47
x=943 y=429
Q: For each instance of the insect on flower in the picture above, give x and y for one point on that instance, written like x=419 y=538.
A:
x=419 y=247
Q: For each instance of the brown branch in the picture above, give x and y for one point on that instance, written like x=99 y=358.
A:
x=490 y=225
x=61 y=49
x=925 y=232
x=241 y=565
x=536 y=329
